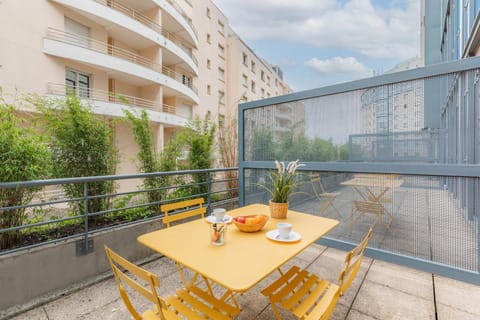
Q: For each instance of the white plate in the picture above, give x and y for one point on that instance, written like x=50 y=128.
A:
x=275 y=236
x=226 y=219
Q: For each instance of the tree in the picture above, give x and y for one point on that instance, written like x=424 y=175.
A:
x=23 y=156
x=262 y=145
x=344 y=152
x=199 y=137
x=148 y=161
x=227 y=137
x=82 y=146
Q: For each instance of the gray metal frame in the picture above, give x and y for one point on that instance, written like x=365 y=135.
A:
x=432 y=110
x=85 y=245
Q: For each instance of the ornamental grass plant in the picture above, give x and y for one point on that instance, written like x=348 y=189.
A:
x=283 y=181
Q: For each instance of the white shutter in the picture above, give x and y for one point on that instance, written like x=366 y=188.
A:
x=77 y=29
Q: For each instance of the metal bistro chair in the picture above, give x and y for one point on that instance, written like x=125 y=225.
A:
x=183 y=210
x=306 y=295
x=320 y=193
x=192 y=304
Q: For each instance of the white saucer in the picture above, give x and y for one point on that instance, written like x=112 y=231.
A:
x=275 y=236
x=226 y=219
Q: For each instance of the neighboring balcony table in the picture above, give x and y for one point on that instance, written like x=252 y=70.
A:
x=246 y=258
x=372 y=189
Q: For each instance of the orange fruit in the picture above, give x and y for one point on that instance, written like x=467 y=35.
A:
x=250 y=220
x=259 y=219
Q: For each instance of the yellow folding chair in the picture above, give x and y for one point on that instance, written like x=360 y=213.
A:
x=320 y=193
x=360 y=208
x=182 y=210
x=310 y=297
x=175 y=212
x=192 y=304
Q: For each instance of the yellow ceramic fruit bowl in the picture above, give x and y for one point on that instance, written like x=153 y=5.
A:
x=250 y=223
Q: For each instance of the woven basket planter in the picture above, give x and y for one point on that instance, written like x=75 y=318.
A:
x=278 y=210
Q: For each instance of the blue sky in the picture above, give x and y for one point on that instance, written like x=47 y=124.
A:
x=322 y=42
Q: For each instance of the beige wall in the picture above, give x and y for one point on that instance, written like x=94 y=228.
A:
x=25 y=67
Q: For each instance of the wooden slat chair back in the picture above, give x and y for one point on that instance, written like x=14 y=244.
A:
x=320 y=193
x=361 y=207
x=309 y=297
x=194 y=304
x=182 y=210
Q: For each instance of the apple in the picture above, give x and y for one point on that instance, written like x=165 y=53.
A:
x=240 y=219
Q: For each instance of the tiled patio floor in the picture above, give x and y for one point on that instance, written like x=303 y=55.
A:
x=380 y=291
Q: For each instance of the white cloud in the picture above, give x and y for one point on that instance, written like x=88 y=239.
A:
x=355 y=25
x=337 y=65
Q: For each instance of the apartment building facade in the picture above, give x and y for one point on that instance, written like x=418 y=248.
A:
x=168 y=57
x=452 y=33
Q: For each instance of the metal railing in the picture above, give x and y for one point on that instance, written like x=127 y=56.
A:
x=113 y=97
x=134 y=14
x=183 y=14
x=52 y=210
x=101 y=47
x=419 y=125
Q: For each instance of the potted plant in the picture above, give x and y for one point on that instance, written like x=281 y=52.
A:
x=283 y=183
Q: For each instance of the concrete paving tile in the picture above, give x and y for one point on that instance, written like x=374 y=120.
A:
x=355 y=315
x=458 y=295
x=268 y=314
x=161 y=267
x=401 y=278
x=83 y=301
x=112 y=311
x=311 y=253
x=383 y=302
x=446 y=313
x=34 y=314
x=339 y=313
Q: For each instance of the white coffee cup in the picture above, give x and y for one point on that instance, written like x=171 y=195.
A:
x=284 y=229
x=219 y=214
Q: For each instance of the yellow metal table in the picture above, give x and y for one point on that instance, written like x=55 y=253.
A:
x=246 y=258
x=372 y=189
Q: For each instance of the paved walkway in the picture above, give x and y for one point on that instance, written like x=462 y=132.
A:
x=380 y=291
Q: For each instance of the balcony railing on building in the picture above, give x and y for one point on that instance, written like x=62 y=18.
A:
x=101 y=47
x=134 y=14
x=111 y=97
x=400 y=151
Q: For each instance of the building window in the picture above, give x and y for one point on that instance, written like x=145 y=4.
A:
x=263 y=93
x=221 y=98
x=262 y=75
x=209 y=38
x=268 y=80
x=209 y=89
x=253 y=86
x=221 y=27
x=276 y=82
x=221 y=120
x=245 y=80
x=209 y=64
x=244 y=58
x=221 y=51
x=78 y=83
x=221 y=74
x=253 y=66
x=186 y=80
x=208 y=13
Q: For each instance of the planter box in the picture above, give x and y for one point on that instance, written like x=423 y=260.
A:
x=37 y=275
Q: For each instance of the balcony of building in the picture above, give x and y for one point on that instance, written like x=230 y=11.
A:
x=418 y=188
x=381 y=290
x=176 y=19
x=137 y=29
x=120 y=63
x=112 y=104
